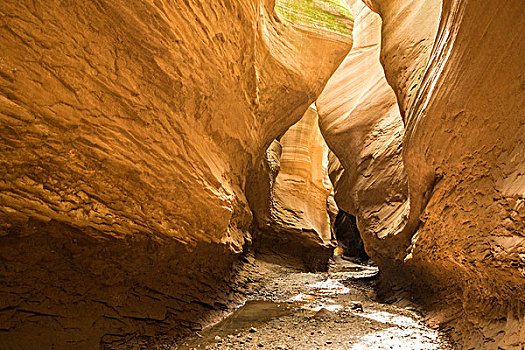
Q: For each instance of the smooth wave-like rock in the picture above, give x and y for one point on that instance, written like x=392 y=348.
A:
x=457 y=70
x=137 y=153
x=128 y=131
x=298 y=224
x=360 y=120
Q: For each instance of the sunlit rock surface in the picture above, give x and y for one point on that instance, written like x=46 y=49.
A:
x=127 y=132
x=462 y=97
x=132 y=159
x=299 y=223
x=360 y=121
x=408 y=28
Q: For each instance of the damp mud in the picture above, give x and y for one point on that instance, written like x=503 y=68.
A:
x=337 y=309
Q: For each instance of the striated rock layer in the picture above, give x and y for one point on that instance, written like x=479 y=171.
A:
x=360 y=120
x=457 y=70
x=129 y=131
x=298 y=224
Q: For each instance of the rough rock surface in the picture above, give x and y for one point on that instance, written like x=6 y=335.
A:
x=457 y=70
x=127 y=132
x=132 y=140
x=298 y=224
x=360 y=120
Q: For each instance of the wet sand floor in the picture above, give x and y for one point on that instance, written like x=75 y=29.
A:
x=332 y=310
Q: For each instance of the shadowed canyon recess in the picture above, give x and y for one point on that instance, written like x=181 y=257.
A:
x=163 y=161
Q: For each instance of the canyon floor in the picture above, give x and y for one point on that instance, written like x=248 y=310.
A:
x=338 y=309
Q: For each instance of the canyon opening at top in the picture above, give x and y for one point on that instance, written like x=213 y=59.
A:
x=162 y=161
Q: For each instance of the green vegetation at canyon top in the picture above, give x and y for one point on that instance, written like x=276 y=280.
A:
x=331 y=15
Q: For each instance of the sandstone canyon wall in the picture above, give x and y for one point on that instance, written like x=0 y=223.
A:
x=128 y=131
x=456 y=238
x=132 y=159
x=457 y=70
x=360 y=120
x=298 y=224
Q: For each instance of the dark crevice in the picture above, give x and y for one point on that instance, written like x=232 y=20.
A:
x=348 y=236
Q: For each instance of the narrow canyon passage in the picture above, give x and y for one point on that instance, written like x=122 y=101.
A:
x=198 y=173
x=336 y=309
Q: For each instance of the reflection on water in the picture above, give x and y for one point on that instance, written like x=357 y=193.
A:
x=251 y=314
x=311 y=311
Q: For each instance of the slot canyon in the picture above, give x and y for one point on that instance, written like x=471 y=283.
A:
x=262 y=174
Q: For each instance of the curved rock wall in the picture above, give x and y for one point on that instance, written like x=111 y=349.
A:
x=360 y=120
x=132 y=140
x=298 y=225
x=127 y=132
x=464 y=156
x=410 y=25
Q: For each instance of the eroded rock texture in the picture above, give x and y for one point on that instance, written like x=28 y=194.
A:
x=298 y=224
x=360 y=121
x=127 y=132
x=457 y=70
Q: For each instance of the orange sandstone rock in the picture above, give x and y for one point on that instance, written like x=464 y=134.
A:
x=298 y=225
x=457 y=70
x=360 y=120
x=128 y=131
